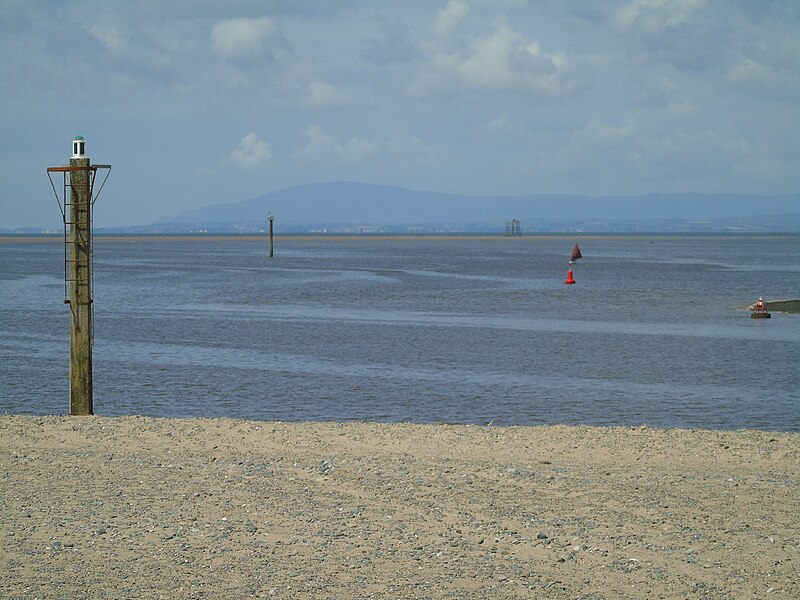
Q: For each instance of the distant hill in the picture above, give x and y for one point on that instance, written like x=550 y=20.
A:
x=348 y=206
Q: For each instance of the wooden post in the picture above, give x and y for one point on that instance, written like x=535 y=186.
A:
x=80 y=289
x=76 y=209
x=271 y=246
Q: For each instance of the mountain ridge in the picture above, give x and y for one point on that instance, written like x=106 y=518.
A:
x=340 y=204
x=353 y=207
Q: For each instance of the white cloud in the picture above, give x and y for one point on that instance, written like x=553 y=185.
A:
x=450 y=16
x=748 y=70
x=251 y=152
x=110 y=36
x=324 y=146
x=239 y=38
x=503 y=60
x=597 y=134
x=758 y=76
x=499 y=124
x=414 y=150
x=679 y=33
x=323 y=95
x=653 y=16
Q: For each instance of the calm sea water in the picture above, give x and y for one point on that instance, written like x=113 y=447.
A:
x=427 y=330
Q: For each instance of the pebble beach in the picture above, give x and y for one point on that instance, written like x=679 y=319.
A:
x=135 y=507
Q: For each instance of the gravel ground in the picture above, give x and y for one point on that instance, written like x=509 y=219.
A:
x=134 y=507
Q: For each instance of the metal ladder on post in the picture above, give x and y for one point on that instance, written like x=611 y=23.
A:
x=70 y=245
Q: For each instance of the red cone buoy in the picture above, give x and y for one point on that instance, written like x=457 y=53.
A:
x=569 y=280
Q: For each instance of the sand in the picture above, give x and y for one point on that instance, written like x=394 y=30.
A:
x=137 y=507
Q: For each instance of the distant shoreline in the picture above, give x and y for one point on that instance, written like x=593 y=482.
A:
x=104 y=237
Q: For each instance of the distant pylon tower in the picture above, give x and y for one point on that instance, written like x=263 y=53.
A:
x=513 y=229
x=76 y=213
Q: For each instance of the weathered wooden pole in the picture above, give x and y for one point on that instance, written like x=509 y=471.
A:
x=79 y=255
x=271 y=245
x=76 y=210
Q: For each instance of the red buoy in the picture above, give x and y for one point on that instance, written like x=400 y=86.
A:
x=570 y=279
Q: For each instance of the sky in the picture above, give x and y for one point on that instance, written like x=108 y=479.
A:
x=201 y=102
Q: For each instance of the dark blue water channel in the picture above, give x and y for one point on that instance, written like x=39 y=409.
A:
x=456 y=330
